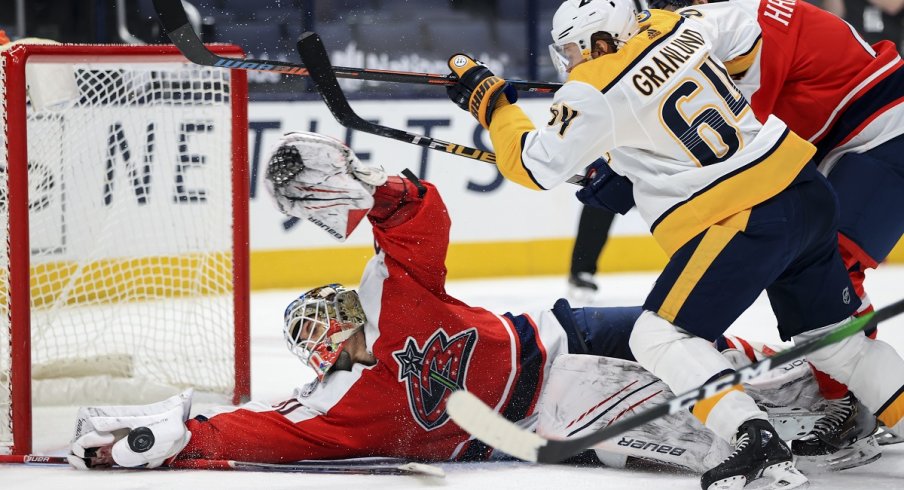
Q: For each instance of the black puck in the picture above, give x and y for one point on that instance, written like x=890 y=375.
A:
x=141 y=439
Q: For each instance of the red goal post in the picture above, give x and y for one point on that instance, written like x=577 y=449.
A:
x=124 y=203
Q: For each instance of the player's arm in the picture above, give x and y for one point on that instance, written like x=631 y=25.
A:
x=733 y=30
x=578 y=130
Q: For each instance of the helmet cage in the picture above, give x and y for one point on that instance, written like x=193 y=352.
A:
x=318 y=323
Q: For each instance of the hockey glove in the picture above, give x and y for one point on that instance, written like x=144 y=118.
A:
x=478 y=89
x=607 y=189
x=143 y=436
x=318 y=178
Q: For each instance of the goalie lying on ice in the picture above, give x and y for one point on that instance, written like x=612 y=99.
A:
x=388 y=355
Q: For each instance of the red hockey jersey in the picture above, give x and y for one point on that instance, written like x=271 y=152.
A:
x=427 y=344
x=824 y=81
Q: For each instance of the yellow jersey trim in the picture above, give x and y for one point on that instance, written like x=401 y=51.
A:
x=737 y=191
x=742 y=63
x=508 y=129
x=603 y=72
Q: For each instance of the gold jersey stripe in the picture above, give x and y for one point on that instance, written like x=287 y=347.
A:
x=760 y=181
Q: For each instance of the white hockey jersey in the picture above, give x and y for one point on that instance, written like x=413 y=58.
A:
x=685 y=135
x=811 y=69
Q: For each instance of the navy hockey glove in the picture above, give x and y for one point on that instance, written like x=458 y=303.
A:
x=607 y=189
x=478 y=89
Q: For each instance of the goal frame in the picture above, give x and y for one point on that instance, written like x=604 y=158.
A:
x=19 y=249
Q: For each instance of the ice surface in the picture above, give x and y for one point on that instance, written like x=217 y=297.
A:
x=275 y=372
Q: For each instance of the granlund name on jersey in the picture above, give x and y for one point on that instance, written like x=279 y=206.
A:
x=674 y=124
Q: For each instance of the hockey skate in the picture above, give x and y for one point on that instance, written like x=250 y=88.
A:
x=582 y=288
x=760 y=458
x=842 y=439
x=886 y=437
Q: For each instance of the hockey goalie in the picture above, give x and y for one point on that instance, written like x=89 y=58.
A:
x=388 y=354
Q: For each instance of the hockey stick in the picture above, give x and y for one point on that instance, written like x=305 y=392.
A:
x=481 y=421
x=314 y=55
x=386 y=467
x=175 y=22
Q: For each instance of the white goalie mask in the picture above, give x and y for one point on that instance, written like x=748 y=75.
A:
x=317 y=324
x=577 y=20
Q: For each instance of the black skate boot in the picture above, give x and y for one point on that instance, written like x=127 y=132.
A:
x=841 y=439
x=759 y=454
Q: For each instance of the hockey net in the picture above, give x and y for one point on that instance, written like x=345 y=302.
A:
x=123 y=203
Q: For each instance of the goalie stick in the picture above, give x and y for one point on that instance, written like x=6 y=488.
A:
x=314 y=56
x=348 y=467
x=175 y=22
x=482 y=422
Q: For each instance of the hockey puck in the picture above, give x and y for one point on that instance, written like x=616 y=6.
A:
x=141 y=439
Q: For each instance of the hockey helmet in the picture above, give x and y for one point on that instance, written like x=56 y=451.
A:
x=317 y=324
x=576 y=21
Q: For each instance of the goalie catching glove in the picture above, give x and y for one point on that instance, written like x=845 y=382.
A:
x=144 y=436
x=478 y=90
x=318 y=178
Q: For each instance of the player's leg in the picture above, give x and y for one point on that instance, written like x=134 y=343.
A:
x=871 y=223
x=706 y=285
x=598 y=331
x=593 y=232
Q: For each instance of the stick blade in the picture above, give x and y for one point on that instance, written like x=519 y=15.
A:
x=423 y=469
x=482 y=422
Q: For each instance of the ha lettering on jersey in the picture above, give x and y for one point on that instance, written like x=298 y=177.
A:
x=779 y=11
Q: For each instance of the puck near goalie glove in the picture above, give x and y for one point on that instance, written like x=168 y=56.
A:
x=478 y=90
x=319 y=179
x=139 y=436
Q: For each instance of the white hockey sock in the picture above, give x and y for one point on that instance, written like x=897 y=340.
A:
x=684 y=362
x=872 y=369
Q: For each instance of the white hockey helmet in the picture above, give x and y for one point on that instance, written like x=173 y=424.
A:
x=577 y=20
x=317 y=324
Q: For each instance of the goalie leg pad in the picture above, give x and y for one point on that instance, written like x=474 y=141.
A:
x=586 y=393
x=131 y=436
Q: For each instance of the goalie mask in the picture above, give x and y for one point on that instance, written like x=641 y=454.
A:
x=318 y=323
x=576 y=21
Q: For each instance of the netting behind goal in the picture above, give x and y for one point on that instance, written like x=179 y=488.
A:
x=123 y=204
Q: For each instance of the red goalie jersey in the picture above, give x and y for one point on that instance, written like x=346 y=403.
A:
x=781 y=68
x=426 y=343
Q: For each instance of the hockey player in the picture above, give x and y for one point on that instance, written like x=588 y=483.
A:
x=387 y=356
x=717 y=188
x=816 y=73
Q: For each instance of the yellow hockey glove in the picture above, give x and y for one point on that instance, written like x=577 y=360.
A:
x=478 y=89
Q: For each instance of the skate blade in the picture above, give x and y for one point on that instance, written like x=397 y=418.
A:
x=780 y=476
x=886 y=437
x=862 y=452
x=581 y=296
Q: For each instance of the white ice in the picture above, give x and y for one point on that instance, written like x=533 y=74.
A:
x=275 y=372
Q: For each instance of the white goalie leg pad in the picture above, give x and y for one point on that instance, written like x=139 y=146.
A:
x=872 y=369
x=685 y=361
x=141 y=436
x=587 y=393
